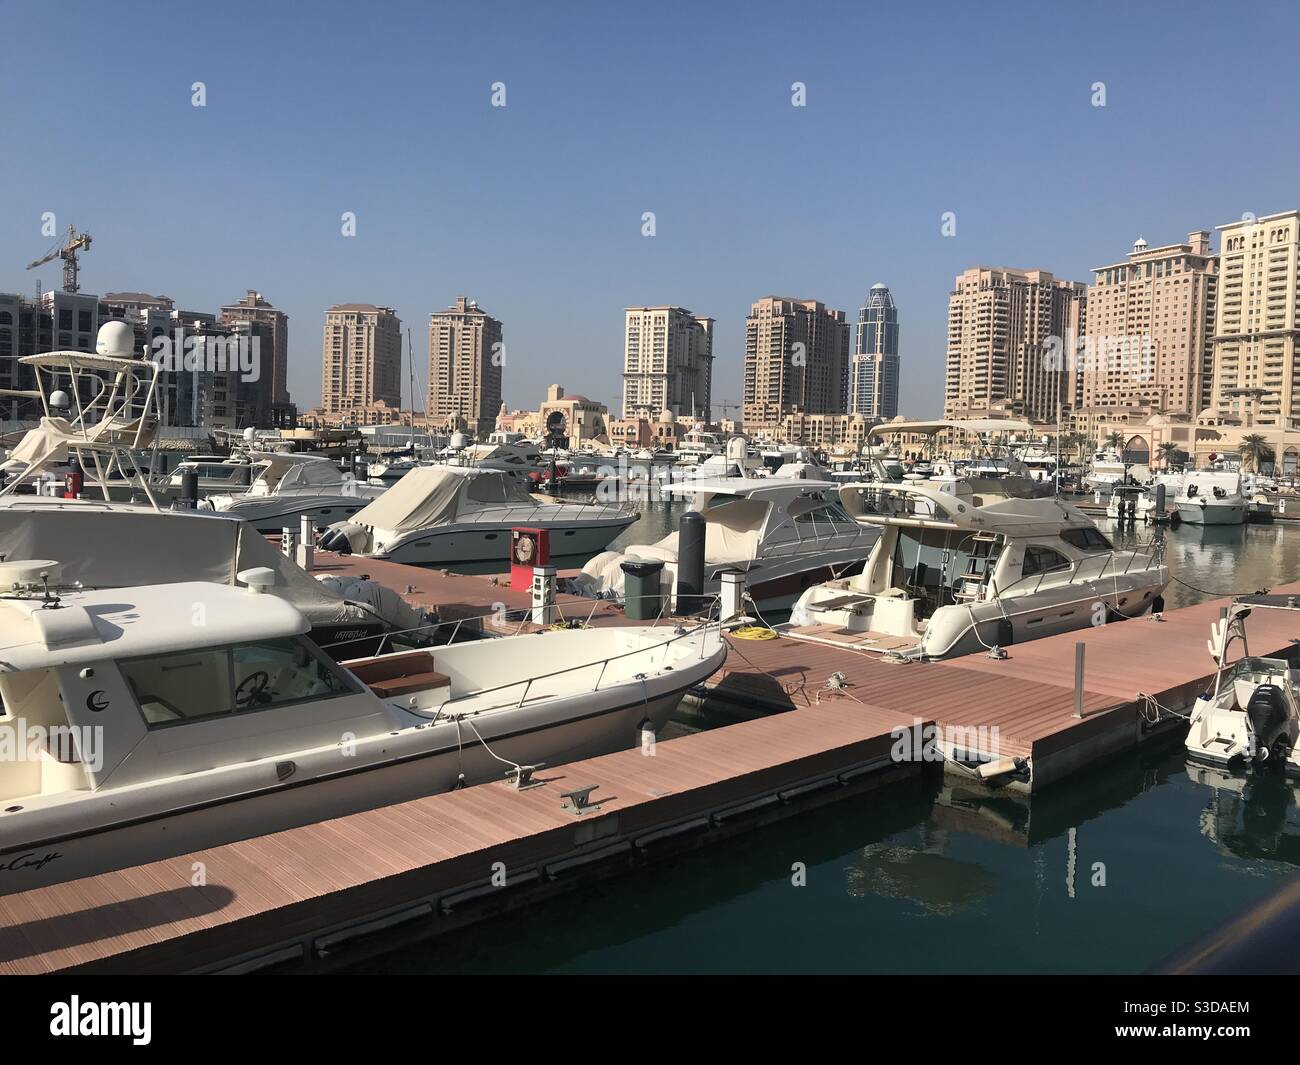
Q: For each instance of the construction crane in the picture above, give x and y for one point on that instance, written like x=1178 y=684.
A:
x=67 y=251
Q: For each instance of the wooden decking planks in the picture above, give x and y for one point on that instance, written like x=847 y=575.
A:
x=266 y=890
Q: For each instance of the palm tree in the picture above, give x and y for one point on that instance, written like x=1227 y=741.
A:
x=1169 y=452
x=1115 y=439
x=1254 y=449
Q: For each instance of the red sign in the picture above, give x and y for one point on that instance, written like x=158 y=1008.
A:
x=528 y=548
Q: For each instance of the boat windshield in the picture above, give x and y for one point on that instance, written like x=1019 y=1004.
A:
x=932 y=565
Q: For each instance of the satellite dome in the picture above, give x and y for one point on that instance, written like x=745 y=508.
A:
x=115 y=338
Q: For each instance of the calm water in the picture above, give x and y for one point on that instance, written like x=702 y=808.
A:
x=929 y=877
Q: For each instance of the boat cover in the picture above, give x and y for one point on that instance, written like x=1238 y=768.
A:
x=433 y=495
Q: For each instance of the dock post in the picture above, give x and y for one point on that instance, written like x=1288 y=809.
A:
x=306 y=542
x=1078 y=679
x=189 y=499
x=690 y=563
x=544 y=610
x=732 y=602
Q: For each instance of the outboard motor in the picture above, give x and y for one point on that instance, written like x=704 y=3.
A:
x=1266 y=715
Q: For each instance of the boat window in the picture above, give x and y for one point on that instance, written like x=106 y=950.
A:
x=189 y=686
x=1043 y=560
x=274 y=672
x=1087 y=540
x=822 y=513
x=929 y=563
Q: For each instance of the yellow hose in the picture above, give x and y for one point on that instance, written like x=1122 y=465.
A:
x=754 y=632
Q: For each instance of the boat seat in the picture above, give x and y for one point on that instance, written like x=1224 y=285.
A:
x=390 y=676
x=841 y=602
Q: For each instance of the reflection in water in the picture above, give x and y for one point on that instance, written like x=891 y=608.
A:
x=1252 y=815
x=921 y=874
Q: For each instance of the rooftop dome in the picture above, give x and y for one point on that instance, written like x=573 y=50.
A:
x=666 y=416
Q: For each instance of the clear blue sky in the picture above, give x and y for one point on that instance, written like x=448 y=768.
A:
x=614 y=109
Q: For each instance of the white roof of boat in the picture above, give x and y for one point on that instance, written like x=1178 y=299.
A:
x=428 y=495
x=970 y=425
x=1039 y=516
x=747 y=486
x=115 y=623
x=87 y=361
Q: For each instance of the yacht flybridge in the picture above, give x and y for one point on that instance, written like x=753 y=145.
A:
x=143 y=735
x=784 y=533
x=452 y=514
x=287 y=486
x=958 y=573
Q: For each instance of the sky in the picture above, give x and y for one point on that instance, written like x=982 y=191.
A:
x=535 y=209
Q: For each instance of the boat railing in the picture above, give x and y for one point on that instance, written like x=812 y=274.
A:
x=1106 y=566
x=496 y=618
x=679 y=633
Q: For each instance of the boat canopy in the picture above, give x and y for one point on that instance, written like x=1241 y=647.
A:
x=923 y=505
x=970 y=425
x=434 y=495
x=285 y=470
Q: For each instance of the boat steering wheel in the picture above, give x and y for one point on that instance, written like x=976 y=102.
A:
x=252 y=689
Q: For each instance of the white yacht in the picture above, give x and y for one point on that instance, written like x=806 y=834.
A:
x=1251 y=716
x=286 y=486
x=1212 y=497
x=144 y=735
x=784 y=533
x=953 y=574
x=1106 y=470
x=440 y=515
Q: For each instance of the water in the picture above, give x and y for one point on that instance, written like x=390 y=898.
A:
x=930 y=877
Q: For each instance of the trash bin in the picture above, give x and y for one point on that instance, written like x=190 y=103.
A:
x=642 y=596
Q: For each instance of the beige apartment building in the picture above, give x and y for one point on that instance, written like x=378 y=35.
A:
x=362 y=357
x=275 y=363
x=1256 y=371
x=1150 y=320
x=1007 y=331
x=796 y=361
x=466 y=354
x=667 y=363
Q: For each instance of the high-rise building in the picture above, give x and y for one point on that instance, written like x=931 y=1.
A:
x=1257 y=324
x=275 y=362
x=796 y=360
x=466 y=353
x=667 y=363
x=1004 y=329
x=1150 y=320
x=873 y=391
x=362 y=357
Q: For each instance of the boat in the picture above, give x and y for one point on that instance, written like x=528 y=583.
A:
x=953 y=574
x=214 y=473
x=1212 y=497
x=286 y=486
x=146 y=736
x=1130 y=501
x=142 y=543
x=783 y=533
x=440 y=515
x=1107 y=469
x=1251 y=715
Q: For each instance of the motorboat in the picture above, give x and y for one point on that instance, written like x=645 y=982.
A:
x=214 y=473
x=1212 y=497
x=145 y=735
x=287 y=486
x=952 y=574
x=783 y=533
x=1130 y=502
x=1251 y=715
x=1107 y=469
x=440 y=515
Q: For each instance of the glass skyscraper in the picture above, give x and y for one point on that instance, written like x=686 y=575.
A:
x=874 y=388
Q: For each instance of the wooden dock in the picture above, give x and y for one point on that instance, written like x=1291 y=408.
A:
x=438 y=862
x=355 y=883
x=1029 y=697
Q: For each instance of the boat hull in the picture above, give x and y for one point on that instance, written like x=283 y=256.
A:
x=1212 y=513
x=538 y=734
x=490 y=542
